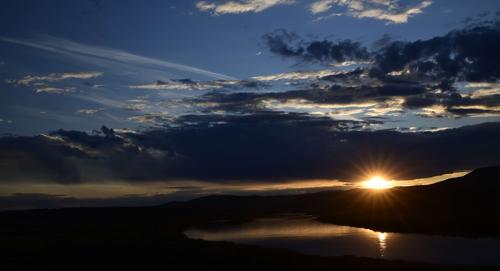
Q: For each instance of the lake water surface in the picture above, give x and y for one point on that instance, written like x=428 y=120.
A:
x=303 y=234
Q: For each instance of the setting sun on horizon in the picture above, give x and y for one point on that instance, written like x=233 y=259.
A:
x=377 y=182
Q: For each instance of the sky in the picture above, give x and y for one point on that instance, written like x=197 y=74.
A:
x=107 y=102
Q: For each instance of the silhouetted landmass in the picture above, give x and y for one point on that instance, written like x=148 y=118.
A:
x=151 y=237
x=468 y=206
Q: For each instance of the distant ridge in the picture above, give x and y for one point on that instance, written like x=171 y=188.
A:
x=481 y=178
x=467 y=205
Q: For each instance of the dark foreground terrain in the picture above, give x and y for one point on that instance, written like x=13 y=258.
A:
x=151 y=237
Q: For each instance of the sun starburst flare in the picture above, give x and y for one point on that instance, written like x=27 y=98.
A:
x=377 y=182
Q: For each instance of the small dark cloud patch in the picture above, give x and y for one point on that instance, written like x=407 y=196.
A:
x=342 y=77
x=281 y=42
x=401 y=89
x=288 y=44
x=421 y=101
x=471 y=111
x=456 y=104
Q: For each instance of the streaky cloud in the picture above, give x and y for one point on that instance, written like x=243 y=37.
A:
x=80 y=50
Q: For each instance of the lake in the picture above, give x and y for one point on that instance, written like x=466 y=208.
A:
x=303 y=234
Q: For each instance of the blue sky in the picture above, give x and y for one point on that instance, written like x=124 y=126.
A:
x=179 y=32
x=207 y=43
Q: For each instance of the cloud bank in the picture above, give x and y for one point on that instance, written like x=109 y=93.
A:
x=390 y=11
x=264 y=147
x=452 y=75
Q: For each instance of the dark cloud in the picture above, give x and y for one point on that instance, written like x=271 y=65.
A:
x=465 y=54
x=267 y=147
x=472 y=111
x=288 y=44
x=189 y=84
x=423 y=72
x=334 y=94
x=342 y=77
x=280 y=42
x=456 y=104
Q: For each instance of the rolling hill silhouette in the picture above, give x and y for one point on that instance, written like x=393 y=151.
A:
x=467 y=205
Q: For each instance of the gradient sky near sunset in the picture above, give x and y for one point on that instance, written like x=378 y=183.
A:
x=184 y=98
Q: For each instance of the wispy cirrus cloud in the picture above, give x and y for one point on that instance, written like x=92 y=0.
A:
x=31 y=79
x=240 y=6
x=6 y=121
x=88 y=111
x=53 y=90
x=41 y=82
x=137 y=105
x=105 y=56
x=154 y=119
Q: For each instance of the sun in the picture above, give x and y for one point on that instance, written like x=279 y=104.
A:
x=377 y=182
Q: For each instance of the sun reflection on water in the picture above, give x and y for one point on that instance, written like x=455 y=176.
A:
x=305 y=234
x=381 y=242
x=294 y=226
